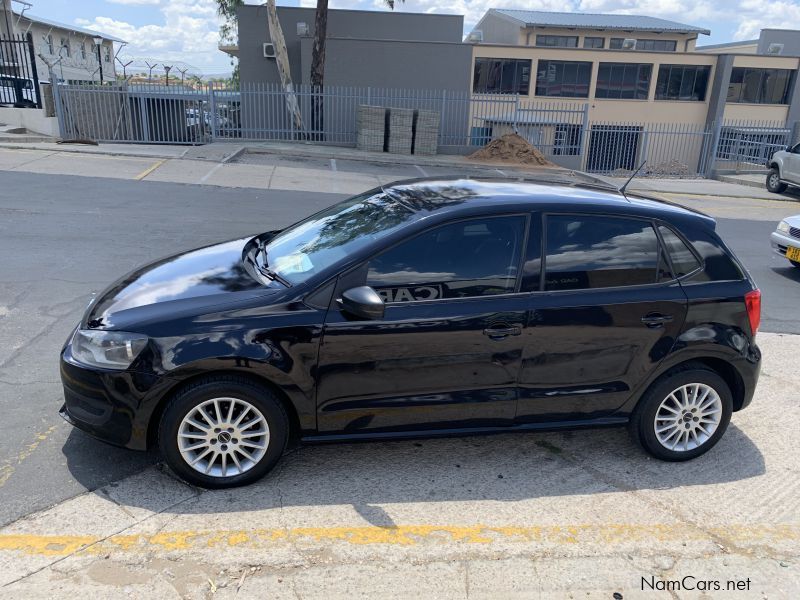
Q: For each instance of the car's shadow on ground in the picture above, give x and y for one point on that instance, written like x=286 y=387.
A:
x=792 y=273
x=508 y=467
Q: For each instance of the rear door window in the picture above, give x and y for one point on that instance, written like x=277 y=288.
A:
x=588 y=252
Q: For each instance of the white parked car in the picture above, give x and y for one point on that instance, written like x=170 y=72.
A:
x=786 y=239
x=784 y=169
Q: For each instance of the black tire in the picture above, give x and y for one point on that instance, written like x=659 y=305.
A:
x=226 y=386
x=643 y=421
x=795 y=263
x=774 y=184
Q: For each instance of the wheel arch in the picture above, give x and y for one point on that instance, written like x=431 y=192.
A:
x=729 y=373
x=180 y=385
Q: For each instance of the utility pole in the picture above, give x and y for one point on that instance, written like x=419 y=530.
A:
x=167 y=69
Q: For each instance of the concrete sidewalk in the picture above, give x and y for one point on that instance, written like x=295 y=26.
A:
x=309 y=167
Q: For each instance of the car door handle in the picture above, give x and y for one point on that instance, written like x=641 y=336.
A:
x=498 y=333
x=654 y=320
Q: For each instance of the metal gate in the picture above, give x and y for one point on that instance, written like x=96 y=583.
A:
x=19 y=81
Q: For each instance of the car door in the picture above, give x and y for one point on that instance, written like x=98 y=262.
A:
x=446 y=353
x=791 y=170
x=607 y=312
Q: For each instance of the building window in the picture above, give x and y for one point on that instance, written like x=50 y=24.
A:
x=501 y=76
x=594 y=42
x=49 y=41
x=760 y=86
x=83 y=51
x=647 y=45
x=682 y=82
x=557 y=41
x=65 y=47
x=623 y=80
x=107 y=53
x=563 y=79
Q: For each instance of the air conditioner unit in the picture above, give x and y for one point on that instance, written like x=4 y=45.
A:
x=269 y=50
x=302 y=29
x=629 y=44
x=475 y=36
x=775 y=49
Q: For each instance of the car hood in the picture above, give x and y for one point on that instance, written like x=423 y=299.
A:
x=202 y=277
x=793 y=221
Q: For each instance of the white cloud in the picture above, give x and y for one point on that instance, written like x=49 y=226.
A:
x=135 y=2
x=189 y=33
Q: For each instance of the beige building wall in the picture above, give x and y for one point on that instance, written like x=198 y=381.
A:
x=617 y=110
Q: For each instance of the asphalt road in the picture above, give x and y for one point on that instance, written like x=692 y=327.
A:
x=62 y=237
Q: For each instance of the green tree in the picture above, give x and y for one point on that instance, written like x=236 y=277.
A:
x=227 y=10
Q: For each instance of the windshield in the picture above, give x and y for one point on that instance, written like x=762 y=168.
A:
x=314 y=244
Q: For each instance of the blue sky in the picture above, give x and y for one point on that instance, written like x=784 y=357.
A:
x=187 y=30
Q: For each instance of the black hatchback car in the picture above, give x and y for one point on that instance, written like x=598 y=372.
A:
x=427 y=308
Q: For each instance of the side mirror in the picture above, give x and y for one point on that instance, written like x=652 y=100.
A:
x=363 y=302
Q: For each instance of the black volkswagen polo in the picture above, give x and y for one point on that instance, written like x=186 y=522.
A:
x=425 y=308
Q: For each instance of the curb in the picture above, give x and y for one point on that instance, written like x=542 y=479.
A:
x=100 y=150
x=745 y=182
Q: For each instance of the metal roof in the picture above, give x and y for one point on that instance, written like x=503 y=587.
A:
x=581 y=20
x=72 y=28
x=727 y=45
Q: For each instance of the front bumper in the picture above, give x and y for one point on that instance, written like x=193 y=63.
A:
x=781 y=241
x=113 y=406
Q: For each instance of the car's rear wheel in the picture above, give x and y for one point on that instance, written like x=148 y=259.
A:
x=774 y=183
x=683 y=414
x=223 y=432
x=795 y=263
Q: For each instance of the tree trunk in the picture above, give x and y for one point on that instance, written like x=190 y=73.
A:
x=318 y=69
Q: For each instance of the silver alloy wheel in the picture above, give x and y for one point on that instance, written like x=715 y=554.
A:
x=688 y=417
x=774 y=180
x=223 y=437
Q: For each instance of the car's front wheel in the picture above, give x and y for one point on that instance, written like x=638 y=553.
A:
x=684 y=414
x=774 y=183
x=223 y=432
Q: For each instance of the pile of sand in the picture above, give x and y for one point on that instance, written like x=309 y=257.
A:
x=511 y=149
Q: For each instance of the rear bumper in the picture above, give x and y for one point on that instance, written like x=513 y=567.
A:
x=111 y=406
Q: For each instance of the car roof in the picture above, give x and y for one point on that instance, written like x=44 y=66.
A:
x=571 y=192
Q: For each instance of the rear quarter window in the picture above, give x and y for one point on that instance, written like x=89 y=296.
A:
x=718 y=262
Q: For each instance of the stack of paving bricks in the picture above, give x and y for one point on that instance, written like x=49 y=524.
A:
x=371 y=128
x=401 y=130
x=426 y=132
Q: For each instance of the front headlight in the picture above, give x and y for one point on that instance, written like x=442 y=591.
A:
x=783 y=227
x=107 y=349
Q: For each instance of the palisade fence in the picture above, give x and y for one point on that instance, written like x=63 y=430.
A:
x=562 y=131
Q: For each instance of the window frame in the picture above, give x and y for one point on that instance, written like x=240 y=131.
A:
x=550 y=36
x=526 y=216
x=593 y=37
x=761 y=88
x=625 y=66
x=578 y=64
x=668 y=68
x=663 y=252
x=519 y=88
x=615 y=43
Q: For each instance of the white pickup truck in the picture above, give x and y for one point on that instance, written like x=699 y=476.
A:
x=784 y=169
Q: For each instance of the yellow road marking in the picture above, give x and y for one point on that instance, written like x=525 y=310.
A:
x=150 y=169
x=9 y=466
x=402 y=535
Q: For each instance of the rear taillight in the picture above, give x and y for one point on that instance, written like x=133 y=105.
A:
x=752 y=300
